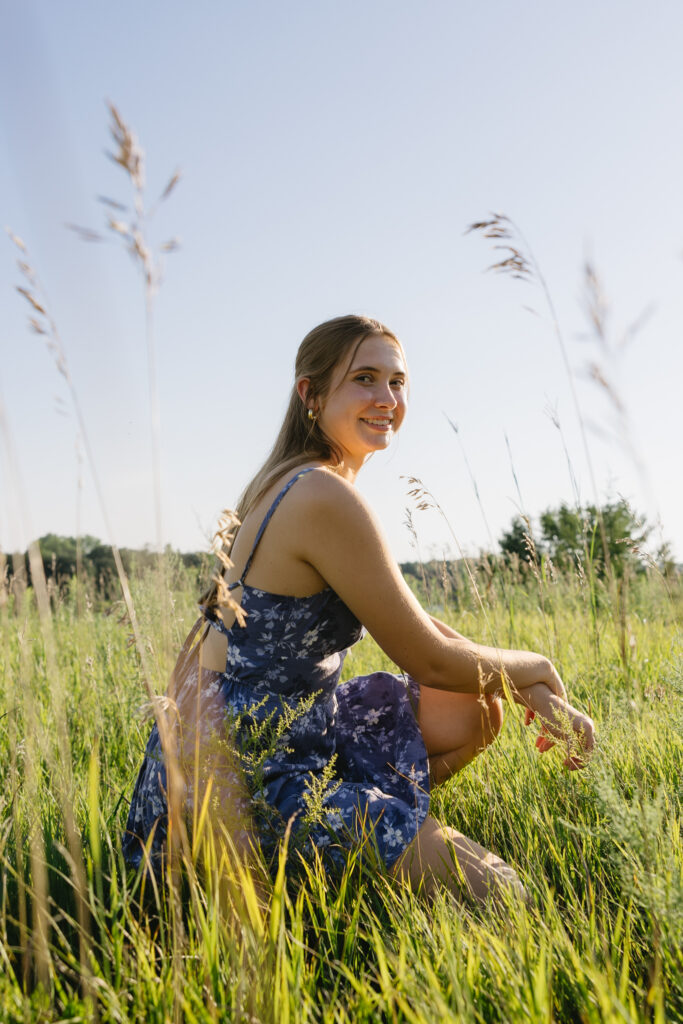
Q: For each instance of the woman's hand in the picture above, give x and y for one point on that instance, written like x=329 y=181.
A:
x=526 y=670
x=563 y=722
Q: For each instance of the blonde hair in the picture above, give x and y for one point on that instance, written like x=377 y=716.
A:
x=301 y=439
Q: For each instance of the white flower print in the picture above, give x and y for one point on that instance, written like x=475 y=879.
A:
x=272 y=615
x=308 y=640
x=392 y=836
x=235 y=657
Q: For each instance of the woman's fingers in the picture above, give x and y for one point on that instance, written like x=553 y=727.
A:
x=573 y=763
x=572 y=729
x=559 y=723
x=544 y=743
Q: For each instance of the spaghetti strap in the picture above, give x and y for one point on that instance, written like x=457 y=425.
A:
x=266 y=520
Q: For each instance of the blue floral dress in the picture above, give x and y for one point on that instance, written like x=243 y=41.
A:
x=344 y=763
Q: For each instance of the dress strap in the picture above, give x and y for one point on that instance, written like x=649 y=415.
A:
x=262 y=527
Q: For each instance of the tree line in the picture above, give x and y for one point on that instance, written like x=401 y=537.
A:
x=92 y=561
x=610 y=539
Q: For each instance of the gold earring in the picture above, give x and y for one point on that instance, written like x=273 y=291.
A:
x=312 y=415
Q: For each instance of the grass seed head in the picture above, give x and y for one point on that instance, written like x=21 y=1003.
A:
x=19 y=242
x=504 y=233
x=129 y=154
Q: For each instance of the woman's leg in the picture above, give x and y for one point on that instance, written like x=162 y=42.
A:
x=442 y=855
x=455 y=728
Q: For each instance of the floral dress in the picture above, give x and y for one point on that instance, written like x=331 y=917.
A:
x=344 y=763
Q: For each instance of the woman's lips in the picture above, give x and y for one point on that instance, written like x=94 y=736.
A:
x=380 y=422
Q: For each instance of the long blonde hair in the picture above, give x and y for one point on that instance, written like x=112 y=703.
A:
x=301 y=439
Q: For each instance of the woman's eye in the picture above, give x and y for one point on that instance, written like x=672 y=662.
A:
x=364 y=378
x=400 y=383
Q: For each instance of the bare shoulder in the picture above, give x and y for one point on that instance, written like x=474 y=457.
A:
x=323 y=483
x=325 y=492
x=327 y=507
x=339 y=537
x=337 y=532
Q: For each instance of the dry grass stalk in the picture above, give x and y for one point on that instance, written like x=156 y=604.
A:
x=35 y=296
x=603 y=371
x=410 y=525
x=500 y=226
x=424 y=500
x=133 y=232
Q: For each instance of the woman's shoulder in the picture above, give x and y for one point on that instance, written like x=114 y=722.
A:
x=324 y=490
x=311 y=482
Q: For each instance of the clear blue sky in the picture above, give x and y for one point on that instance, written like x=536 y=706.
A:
x=332 y=156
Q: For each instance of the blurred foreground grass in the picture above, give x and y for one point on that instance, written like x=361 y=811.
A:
x=599 y=849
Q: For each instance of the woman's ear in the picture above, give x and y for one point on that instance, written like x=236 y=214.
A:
x=302 y=387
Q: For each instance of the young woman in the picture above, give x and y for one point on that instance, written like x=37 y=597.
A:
x=310 y=571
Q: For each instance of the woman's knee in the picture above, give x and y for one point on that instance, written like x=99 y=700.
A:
x=486 y=722
x=458 y=721
x=491 y=718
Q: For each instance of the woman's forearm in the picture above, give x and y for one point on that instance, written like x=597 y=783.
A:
x=519 y=669
x=464 y=666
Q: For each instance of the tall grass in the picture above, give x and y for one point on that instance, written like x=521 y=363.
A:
x=599 y=849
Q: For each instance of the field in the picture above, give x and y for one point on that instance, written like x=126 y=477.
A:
x=599 y=849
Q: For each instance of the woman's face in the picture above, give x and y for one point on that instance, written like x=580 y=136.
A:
x=367 y=400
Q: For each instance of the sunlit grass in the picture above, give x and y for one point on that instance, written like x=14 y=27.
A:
x=600 y=850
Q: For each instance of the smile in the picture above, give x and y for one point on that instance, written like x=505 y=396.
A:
x=378 y=421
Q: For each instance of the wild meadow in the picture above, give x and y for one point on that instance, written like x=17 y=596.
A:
x=599 y=850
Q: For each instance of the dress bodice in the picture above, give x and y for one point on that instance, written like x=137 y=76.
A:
x=293 y=646
x=288 y=654
x=290 y=645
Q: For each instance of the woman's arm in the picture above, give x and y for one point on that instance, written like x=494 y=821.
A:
x=557 y=717
x=337 y=534
x=215 y=651
x=446 y=630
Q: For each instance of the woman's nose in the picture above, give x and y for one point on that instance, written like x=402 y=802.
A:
x=385 y=397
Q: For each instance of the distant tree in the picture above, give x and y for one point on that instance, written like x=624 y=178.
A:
x=516 y=543
x=59 y=554
x=612 y=534
x=101 y=565
x=665 y=561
